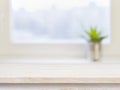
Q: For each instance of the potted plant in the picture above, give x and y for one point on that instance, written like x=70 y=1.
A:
x=94 y=38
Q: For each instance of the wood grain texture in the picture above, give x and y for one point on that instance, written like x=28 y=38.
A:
x=59 y=73
x=40 y=80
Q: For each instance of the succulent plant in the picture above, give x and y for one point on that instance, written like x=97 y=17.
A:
x=94 y=35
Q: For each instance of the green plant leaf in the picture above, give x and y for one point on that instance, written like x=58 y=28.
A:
x=94 y=35
x=103 y=37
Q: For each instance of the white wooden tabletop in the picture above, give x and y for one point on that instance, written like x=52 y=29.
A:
x=59 y=73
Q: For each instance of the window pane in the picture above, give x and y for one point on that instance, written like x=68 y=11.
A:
x=36 y=21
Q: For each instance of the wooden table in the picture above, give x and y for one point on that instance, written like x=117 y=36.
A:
x=59 y=73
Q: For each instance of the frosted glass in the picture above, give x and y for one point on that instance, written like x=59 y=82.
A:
x=36 y=21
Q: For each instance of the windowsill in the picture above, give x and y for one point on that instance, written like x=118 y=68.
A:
x=60 y=73
x=59 y=61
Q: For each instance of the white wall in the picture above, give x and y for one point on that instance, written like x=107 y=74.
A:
x=7 y=49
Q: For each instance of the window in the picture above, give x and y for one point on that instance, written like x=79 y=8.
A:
x=46 y=21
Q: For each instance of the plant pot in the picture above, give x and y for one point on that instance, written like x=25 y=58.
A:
x=95 y=51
